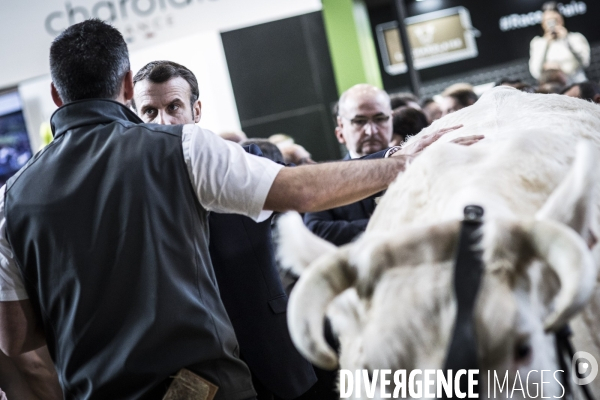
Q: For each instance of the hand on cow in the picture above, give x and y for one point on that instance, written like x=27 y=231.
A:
x=416 y=147
x=467 y=140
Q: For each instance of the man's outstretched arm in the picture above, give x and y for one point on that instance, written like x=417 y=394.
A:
x=319 y=187
x=323 y=186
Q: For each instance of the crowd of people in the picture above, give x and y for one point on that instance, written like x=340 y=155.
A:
x=138 y=245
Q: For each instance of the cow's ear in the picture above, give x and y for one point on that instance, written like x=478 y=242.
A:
x=572 y=202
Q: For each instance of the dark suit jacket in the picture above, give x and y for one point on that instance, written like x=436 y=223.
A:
x=243 y=259
x=341 y=225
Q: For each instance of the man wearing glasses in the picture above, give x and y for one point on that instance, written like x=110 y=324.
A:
x=364 y=127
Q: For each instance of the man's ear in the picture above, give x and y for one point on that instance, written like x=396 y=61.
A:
x=128 y=86
x=197 y=110
x=338 y=131
x=55 y=96
x=596 y=98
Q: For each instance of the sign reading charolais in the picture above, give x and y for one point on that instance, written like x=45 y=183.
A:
x=436 y=38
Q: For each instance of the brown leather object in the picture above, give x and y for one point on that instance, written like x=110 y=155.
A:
x=188 y=386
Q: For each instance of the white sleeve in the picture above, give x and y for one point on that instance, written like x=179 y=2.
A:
x=537 y=50
x=225 y=177
x=11 y=283
x=581 y=47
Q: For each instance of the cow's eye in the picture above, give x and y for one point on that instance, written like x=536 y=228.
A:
x=522 y=351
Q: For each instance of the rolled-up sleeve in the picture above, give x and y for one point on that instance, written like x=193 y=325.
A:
x=226 y=178
x=11 y=282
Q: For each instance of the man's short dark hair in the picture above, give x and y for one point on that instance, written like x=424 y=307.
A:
x=464 y=97
x=408 y=121
x=161 y=71
x=402 y=99
x=269 y=150
x=88 y=60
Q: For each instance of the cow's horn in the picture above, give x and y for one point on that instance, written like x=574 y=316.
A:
x=364 y=261
x=567 y=255
x=327 y=277
x=573 y=201
x=408 y=246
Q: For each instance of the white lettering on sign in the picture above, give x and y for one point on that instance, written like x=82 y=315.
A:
x=518 y=21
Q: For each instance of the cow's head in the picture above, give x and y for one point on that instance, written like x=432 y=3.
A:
x=390 y=299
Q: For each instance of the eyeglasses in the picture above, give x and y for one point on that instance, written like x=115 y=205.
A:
x=361 y=122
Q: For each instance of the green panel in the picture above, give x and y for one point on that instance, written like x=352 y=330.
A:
x=351 y=43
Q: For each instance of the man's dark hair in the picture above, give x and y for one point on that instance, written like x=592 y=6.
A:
x=408 y=121
x=88 y=60
x=269 y=150
x=587 y=90
x=517 y=84
x=402 y=99
x=464 y=97
x=161 y=71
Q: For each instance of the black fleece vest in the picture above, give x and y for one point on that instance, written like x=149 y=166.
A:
x=113 y=248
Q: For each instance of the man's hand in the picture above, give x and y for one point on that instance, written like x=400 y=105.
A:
x=415 y=148
x=467 y=140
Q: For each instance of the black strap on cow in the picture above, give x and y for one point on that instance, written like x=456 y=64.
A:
x=564 y=345
x=468 y=270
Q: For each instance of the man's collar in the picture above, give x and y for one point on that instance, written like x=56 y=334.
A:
x=352 y=155
x=90 y=112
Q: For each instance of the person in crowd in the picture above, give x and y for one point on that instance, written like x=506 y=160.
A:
x=234 y=136
x=552 y=81
x=588 y=90
x=365 y=129
x=293 y=153
x=517 y=84
x=406 y=121
x=268 y=149
x=431 y=109
x=241 y=251
x=281 y=139
x=296 y=154
x=103 y=234
x=404 y=99
x=457 y=97
x=558 y=48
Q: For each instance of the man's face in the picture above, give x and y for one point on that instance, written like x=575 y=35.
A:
x=166 y=103
x=364 y=123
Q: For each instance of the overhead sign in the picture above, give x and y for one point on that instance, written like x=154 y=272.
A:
x=29 y=26
x=436 y=38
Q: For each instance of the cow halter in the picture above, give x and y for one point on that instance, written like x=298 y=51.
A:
x=468 y=270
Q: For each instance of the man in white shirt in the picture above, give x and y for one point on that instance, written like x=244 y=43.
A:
x=103 y=235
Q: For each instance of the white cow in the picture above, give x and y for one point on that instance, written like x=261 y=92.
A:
x=389 y=294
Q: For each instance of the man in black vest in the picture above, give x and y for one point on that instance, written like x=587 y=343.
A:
x=104 y=240
x=241 y=252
